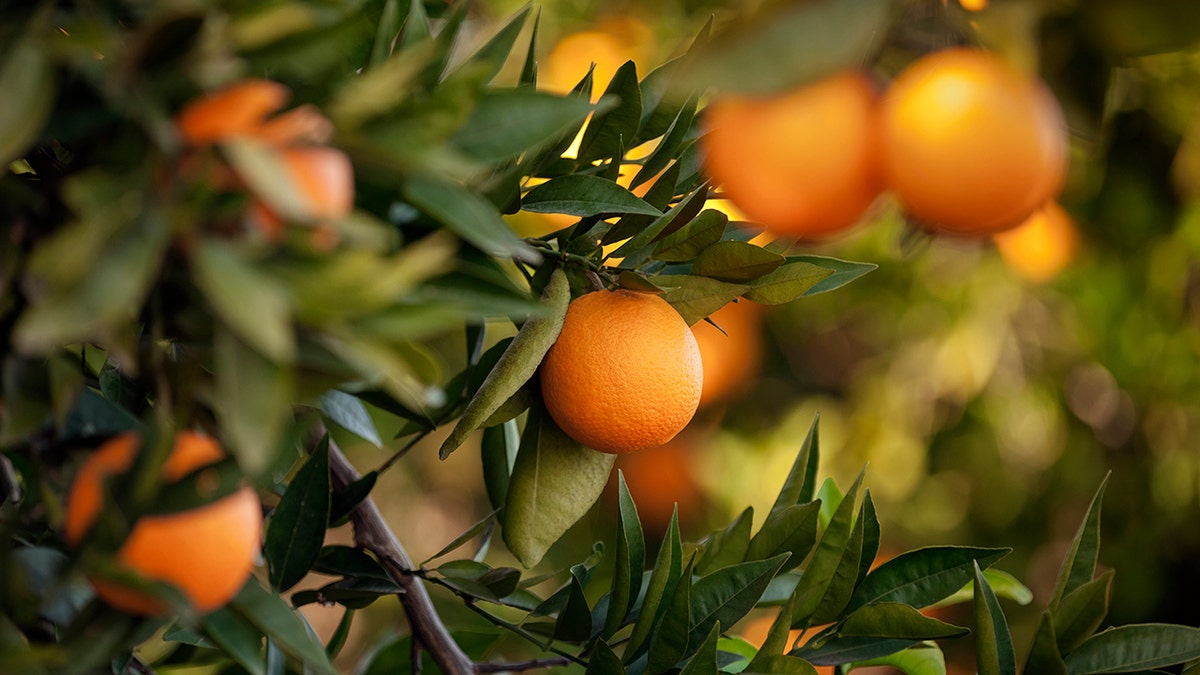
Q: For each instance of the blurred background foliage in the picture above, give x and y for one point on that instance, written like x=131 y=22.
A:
x=988 y=390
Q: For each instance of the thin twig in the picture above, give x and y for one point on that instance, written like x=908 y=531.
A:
x=522 y=666
x=402 y=451
x=515 y=629
x=372 y=533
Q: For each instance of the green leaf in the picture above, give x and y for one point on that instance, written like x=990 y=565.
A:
x=893 y=620
x=728 y=546
x=237 y=637
x=844 y=271
x=297 y=527
x=467 y=535
x=1135 y=647
x=871 y=535
x=348 y=561
x=1079 y=567
x=610 y=130
x=1044 y=656
x=780 y=664
x=1003 y=584
x=604 y=661
x=704 y=661
x=812 y=38
x=660 y=195
x=254 y=305
x=637 y=249
x=830 y=498
x=468 y=215
x=663 y=579
x=387 y=27
x=845 y=577
x=1081 y=612
x=921 y=659
x=506 y=123
x=498 y=451
x=688 y=241
x=574 y=622
x=343 y=502
x=670 y=641
x=584 y=196
x=725 y=596
x=801 y=481
x=349 y=413
x=697 y=297
x=630 y=560
x=253 y=402
x=924 y=576
x=499 y=47
x=668 y=148
x=736 y=262
x=792 y=529
x=790 y=281
x=993 y=642
x=27 y=78
x=270 y=614
x=841 y=650
x=829 y=556
x=554 y=482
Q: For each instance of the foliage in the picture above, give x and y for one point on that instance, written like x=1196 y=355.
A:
x=158 y=283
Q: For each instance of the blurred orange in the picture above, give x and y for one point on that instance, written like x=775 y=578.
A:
x=659 y=478
x=1042 y=246
x=613 y=41
x=731 y=359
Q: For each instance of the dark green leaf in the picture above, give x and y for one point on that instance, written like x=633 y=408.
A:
x=27 y=78
x=343 y=502
x=386 y=29
x=704 y=661
x=604 y=661
x=668 y=147
x=507 y=123
x=584 y=196
x=660 y=195
x=253 y=304
x=994 y=653
x=630 y=560
x=893 y=620
x=663 y=579
x=351 y=592
x=297 y=527
x=611 y=129
x=697 y=297
x=921 y=659
x=780 y=664
x=1081 y=612
x=269 y=613
x=637 y=250
x=792 y=529
x=1135 y=647
x=728 y=546
x=469 y=534
x=575 y=620
x=498 y=451
x=790 y=281
x=725 y=596
x=349 y=413
x=346 y=561
x=736 y=262
x=801 y=481
x=846 y=576
x=688 y=241
x=776 y=642
x=841 y=650
x=871 y=534
x=831 y=554
x=1044 y=656
x=253 y=401
x=843 y=271
x=924 y=576
x=497 y=49
x=670 y=641
x=1079 y=567
x=237 y=637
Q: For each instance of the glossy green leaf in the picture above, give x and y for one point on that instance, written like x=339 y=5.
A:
x=584 y=196
x=670 y=641
x=925 y=658
x=845 y=577
x=725 y=596
x=253 y=401
x=780 y=664
x=1044 y=655
x=704 y=661
x=893 y=620
x=668 y=148
x=697 y=297
x=994 y=653
x=468 y=215
x=688 y=241
x=830 y=554
x=871 y=535
x=728 y=546
x=237 y=637
x=790 y=281
x=574 y=622
x=517 y=364
x=736 y=262
x=637 y=249
x=604 y=661
x=554 y=482
x=506 y=123
x=271 y=614
x=924 y=576
x=813 y=38
x=800 y=485
x=610 y=130
x=663 y=579
x=830 y=498
x=1135 y=647
x=844 y=271
x=792 y=529
x=297 y=526
x=776 y=642
x=1003 y=584
x=27 y=78
x=630 y=560
x=349 y=413
x=1079 y=567
x=1081 y=612
x=839 y=650
x=254 y=305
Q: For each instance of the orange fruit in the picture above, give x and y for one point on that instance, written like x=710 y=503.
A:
x=970 y=145
x=236 y=110
x=624 y=374
x=661 y=478
x=803 y=162
x=324 y=176
x=731 y=359
x=608 y=45
x=207 y=552
x=1042 y=246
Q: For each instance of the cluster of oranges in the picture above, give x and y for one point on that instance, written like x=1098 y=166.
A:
x=966 y=144
x=320 y=178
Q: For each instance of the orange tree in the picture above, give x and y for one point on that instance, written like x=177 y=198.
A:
x=239 y=226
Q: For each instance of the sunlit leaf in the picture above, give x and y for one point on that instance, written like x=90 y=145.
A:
x=584 y=196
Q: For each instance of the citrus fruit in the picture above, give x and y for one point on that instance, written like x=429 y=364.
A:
x=731 y=358
x=236 y=110
x=625 y=372
x=659 y=479
x=803 y=162
x=1042 y=246
x=970 y=145
x=607 y=46
x=207 y=552
x=324 y=177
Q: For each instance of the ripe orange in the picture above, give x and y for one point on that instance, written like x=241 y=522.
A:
x=731 y=359
x=608 y=45
x=625 y=373
x=207 y=552
x=1042 y=246
x=804 y=162
x=236 y=110
x=971 y=146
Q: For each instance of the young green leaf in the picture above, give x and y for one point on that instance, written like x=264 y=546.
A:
x=1079 y=567
x=584 y=196
x=787 y=282
x=517 y=364
x=894 y=620
x=297 y=527
x=924 y=576
x=663 y=579
x=736 y=262
x=554 y=482
x=1135 y=648
x=1081 y=612
x=993 y=642
x=630 y=559
x=925 y=658
x=801 y=481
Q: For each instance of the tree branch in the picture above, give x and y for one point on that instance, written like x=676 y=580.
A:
x=372 y=533
x=523 y=666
